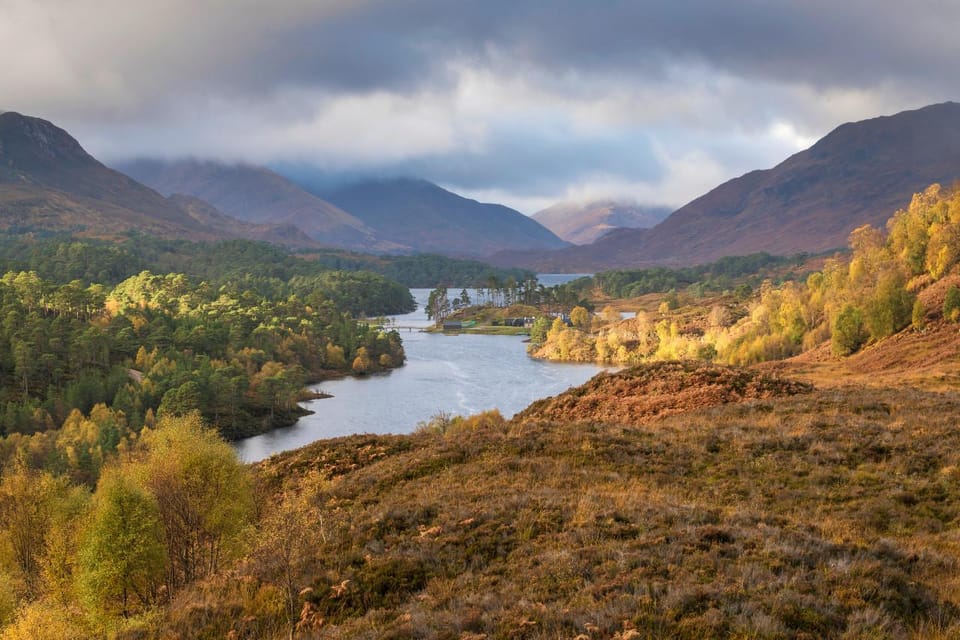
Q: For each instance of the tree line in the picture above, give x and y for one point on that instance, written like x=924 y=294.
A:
x=724 y=274
x=117 y=489
x=419 y=270
x=240 y=265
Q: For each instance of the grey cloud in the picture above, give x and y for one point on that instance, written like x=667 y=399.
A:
x=230 y=48
x=824 y=44
x=130 y=76
x=540 y=163
x=527 y=161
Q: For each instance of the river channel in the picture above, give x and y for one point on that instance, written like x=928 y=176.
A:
x=456 y=374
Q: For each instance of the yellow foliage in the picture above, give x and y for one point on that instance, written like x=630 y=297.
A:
x=603 y=349
x=45 y=620
x=145 y=359
x=580 y=318
x=122 y=555
x=943 y=250
x=558 y=326
x=335 y=357
x=27 y=500
x=568 y=344
x=11 y=589
x=362 y=363
x=202 y=490
x=610 y=315
x=865 y=239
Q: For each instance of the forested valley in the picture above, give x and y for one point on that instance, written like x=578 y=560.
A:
x=492 y=321
x=236 y=340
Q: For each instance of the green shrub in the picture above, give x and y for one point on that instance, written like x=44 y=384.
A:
x=538 y=332
x=951 y=304
x=919 y=315
x=848 y=331
x=889 y=309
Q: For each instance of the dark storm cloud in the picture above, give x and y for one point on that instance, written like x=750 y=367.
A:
x=823 y=44
x=502 y=94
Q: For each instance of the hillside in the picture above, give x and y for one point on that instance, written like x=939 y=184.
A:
x=206 y=214
x=894 y=294
x=256 y=195
x=47 y=181
x=926 y=359
x=824 y=514
x=855 y=175
x=584 y=223
x=428 y=219
x=644 y=393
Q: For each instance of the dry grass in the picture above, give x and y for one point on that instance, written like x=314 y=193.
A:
x=657 y=389
x=927 y=359
x=830 y=514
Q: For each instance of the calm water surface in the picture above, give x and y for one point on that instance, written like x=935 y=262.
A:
x=461 y=374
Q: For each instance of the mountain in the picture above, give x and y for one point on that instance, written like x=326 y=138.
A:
x=429 y=219
x=860 y=173
x=581 y=223
x=206 y=214
x=257 y=195
x=48 y=181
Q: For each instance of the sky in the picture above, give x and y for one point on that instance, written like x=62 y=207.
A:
x=522 y=103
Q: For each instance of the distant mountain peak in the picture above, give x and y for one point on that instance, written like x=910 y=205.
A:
x=584 y=222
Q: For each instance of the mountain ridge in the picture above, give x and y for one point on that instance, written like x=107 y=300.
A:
x=857 y=174
x=257 y=195
x=48 y=181
x=431 y=219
